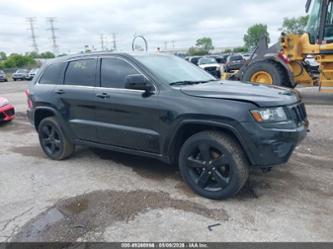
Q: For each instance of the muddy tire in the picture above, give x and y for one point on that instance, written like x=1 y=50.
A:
x=277 y=73
x=213 y=165
x=53 y=141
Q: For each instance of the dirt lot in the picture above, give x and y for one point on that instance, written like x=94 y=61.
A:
x=105 y=196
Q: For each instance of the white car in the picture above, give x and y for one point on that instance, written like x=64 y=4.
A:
x=210 y=65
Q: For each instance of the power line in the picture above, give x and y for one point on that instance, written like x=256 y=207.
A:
x=51 y=20
x=31 y=22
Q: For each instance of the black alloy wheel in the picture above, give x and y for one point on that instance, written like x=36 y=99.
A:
x=53 y=141
x=213 y=165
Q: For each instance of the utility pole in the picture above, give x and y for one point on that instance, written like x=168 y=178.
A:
x=31 y=22
x=51 y=20
x=173 y=44
x=114 y=41
x=166 y=45
x=102 y=42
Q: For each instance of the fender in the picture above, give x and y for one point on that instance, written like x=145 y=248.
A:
x=63 y=125
x=224 y=126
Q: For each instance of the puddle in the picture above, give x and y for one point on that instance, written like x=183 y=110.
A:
x=20 y=125
x=29 y=151
x=70 y=219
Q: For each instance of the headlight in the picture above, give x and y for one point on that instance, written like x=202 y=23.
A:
x=4 y=102
x=269 y=115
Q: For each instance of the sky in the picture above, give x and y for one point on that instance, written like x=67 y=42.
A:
x=81 y=22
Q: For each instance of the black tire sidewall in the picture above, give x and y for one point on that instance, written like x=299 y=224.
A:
x=267 y=67
x=52 y=121
x=234 y=185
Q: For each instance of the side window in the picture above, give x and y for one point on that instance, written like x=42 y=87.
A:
x=328 y=33
x=114 y=72
x=81 y=73
x=52 y=74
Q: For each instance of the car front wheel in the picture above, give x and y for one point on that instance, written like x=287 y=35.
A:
x=213 y=165
x=53 y=141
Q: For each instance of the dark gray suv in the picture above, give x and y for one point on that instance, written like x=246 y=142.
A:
x=164 y=107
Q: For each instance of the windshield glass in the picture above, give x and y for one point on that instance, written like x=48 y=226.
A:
x=314 y=21
x=236 y=58
x=206 y=60
x=21 y=71
x=172 y=69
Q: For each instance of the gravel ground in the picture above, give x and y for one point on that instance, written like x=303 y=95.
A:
x=106 y=196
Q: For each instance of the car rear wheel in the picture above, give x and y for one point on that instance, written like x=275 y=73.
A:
x=213 y=165
x=53 y=141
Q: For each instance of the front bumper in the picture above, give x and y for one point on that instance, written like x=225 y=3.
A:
x=268 y=147
x=7 y=113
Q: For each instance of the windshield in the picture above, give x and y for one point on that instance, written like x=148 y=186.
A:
x=236 y=58
x=203 y=61
x=312 y=27
x=172 y=69
x=21 y=71
x=2 y=72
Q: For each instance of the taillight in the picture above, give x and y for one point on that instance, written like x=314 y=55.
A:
x=29 y=102
x=283 y=57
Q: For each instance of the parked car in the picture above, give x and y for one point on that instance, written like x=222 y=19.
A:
x=234 y=62
x=3 y=76
x=194 y=59
x=20 y=74
x=7 y=111
x=32 y=74
x=210 y=65
x=163 y=107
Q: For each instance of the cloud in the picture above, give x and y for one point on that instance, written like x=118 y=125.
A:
x=80 y=22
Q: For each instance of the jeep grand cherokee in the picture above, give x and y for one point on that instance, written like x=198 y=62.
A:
x=163 y=107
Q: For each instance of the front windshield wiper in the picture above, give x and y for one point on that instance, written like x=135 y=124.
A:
x=188 y=82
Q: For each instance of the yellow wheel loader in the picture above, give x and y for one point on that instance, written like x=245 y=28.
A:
x=285 y=63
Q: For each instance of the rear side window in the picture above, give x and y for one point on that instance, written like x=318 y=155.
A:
x=81 y=73
x=114 y=72
x=52 y=74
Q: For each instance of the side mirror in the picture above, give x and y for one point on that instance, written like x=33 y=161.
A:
x=138 y=82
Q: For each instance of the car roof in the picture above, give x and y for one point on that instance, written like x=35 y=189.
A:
x=96 y=54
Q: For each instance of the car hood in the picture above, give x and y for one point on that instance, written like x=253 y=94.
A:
x=260 y=95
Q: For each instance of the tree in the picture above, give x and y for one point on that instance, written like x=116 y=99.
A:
x=18 y=61
x=240 y=50
x=47 y=55
x=194 y=51
x=205 y=43
x=295 y=25
x=253 y=34
x=3 y=56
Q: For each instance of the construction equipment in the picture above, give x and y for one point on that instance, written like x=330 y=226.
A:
x=284 y=64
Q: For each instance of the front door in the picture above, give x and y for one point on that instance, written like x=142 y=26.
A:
x=126 y=118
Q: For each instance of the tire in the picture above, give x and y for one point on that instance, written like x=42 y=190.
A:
x=275 y=70
x=53 y=141
x=208 y=156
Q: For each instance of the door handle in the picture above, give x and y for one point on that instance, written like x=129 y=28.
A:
x=103 y=95
x=60 y=91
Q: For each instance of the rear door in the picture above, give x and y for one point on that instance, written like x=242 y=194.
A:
x=126 y=118
x=76 y=97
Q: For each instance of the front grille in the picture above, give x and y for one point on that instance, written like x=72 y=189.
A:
x=211 y=69
x=299 y=113
x=10 y=112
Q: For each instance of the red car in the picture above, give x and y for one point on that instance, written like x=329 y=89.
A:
x=7 y=111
